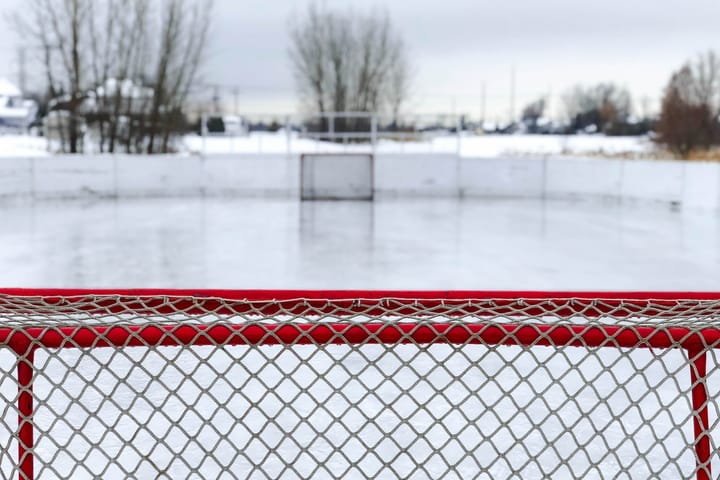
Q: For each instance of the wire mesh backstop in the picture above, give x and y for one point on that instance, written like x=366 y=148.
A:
x=343 y=384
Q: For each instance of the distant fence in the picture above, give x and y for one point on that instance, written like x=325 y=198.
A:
x=690 y=184
x=337 y=132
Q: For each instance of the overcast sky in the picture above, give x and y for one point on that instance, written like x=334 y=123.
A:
x=456 y=45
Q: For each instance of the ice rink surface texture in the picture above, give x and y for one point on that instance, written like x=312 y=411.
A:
x=409 y=411
x=394 y=244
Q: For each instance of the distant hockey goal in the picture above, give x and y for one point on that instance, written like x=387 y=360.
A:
x=362 y=384
x=336 y=176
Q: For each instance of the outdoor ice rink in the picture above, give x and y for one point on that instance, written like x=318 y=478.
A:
x=93 y=419
x=393 y=244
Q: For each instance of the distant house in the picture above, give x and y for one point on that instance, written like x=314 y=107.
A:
x=235 y=125
x=121 y=100
x=229 y=125
x=16 y=112
x=125 y=96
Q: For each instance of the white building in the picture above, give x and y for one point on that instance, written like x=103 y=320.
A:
x=15 y=111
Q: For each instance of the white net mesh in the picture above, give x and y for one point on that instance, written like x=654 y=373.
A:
x=357 y=385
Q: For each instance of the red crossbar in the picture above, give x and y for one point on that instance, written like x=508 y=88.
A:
x=348 y=302
x=587 y=336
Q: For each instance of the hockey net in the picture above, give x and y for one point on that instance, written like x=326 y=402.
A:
x=337 y=176
x=260 y=384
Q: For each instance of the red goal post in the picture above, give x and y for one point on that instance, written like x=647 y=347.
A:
x=363 y=384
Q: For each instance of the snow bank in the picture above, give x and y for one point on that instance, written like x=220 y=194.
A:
x=466 y=145
x=503 y=145
x=22 y=146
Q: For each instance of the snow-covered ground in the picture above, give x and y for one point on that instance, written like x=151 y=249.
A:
x=12 y=145
x=468 y=145
x=500 y=145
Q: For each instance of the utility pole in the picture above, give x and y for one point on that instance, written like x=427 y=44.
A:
x=216 y=99
x=483 y=103
x=22 y=70
x=645 y=106
x=512 y=95
x=236 y=100
x=550 y=105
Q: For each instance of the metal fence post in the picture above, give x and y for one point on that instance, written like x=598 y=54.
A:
x=288 y=135
x=203 y=131
x=458 y=130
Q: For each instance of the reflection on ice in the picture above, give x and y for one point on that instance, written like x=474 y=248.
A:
x=404 y=244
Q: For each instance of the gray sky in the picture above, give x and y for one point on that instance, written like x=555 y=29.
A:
x=456 y=45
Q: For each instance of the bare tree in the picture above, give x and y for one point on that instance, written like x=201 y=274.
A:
x=124 y=66
x=399 y=84
x=688 y=118
x=532 y=113
x=705 y=72
x=163 y=78
x=344 y=61
x=308 y=56
x=58 y=29
x=603 y=106
x=125 y=27
x=112 y=28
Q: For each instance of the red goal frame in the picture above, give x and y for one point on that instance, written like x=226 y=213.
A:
x=24 y=341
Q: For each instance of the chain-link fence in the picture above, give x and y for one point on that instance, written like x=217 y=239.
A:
x=331 y=132
x=258 y=384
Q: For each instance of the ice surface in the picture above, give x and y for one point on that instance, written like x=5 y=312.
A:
x=404 y=244
x=114 y=411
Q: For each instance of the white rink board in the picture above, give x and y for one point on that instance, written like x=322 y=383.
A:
x=417 y=175
x=436 y=175
x=250 y=175
x=700 y=182
x=159 y=175
x=69 y=176
x=502 y=177
x=656 y=180
x=576 y=178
